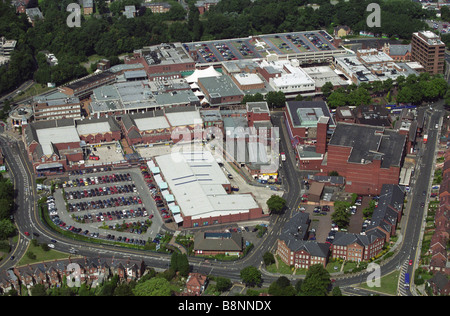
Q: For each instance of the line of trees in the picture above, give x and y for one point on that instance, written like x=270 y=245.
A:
x=7 y=228
x=236 y=18
x=411 y=89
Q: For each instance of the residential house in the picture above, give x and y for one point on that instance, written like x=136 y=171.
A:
x=342 y=30
x=439 y=284
x=196 y=284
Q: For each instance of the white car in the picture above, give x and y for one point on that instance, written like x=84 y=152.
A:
x=51 y=246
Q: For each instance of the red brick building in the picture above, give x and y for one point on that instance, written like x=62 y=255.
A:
x=99 y=130
x=220 y=90
x=293 y=247
x=250 y=214
x=357 y=247
x=196 y=284
x=439 y=241
x=205 y=5
x=56 y=146
x=309 y=124
x=367 y=156
x=161 y=126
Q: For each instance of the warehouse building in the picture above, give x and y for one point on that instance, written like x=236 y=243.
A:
x=200 y=189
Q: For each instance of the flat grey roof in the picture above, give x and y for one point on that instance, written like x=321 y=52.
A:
x=222 y=85
x=370 y=143
x=307 y=113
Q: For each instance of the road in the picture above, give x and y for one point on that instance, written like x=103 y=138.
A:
x=27 y=218
x=12 y=94
x=25 y=195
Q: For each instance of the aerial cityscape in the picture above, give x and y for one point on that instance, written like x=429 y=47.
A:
x=235 y=150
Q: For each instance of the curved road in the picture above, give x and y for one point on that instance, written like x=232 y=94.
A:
x=27 y=218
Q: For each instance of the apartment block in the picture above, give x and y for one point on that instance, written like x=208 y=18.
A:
x=428 y=49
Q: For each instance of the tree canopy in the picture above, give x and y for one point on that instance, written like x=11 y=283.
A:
x=154 y=287
x=316 y=282
x=276 y=204
x=251 y=276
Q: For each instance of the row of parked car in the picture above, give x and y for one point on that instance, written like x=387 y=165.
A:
x=324 y=209
x=107 y=203
x=160 y=204
x=51 y=206
x=89 y=170
x=113 y=215
x=86 y=181
x=317 y=42
x=116 y=189
x=137 y=242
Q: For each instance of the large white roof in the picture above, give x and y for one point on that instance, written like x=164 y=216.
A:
x=196 y=181
x=151 y=123
x=94 y=128
x=184 y=118
x=55 y=135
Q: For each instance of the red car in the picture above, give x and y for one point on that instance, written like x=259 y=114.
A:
x=27 y=234
x=410 y=262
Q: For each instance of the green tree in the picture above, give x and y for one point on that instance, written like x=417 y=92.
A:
x=327 y=89
x=340 y=215
x=337 y=99
x=316 y=282
x=123 y=289
x=275 y=99
x=38 y=290
x=7 y=228
x=45 y=247
x=368 y=211
x=359 y=96
x=5 y=208
x=276 y=204
x=281 y=287
x=179 y=263
x=336 y=291
x=257 y=97
x=223 y=284
x=251 y=276
x=153 y=287
x=268 y=258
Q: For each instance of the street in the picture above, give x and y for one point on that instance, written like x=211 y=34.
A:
x=27 y=218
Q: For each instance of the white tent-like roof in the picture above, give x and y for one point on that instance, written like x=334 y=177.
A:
x=202 y=73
